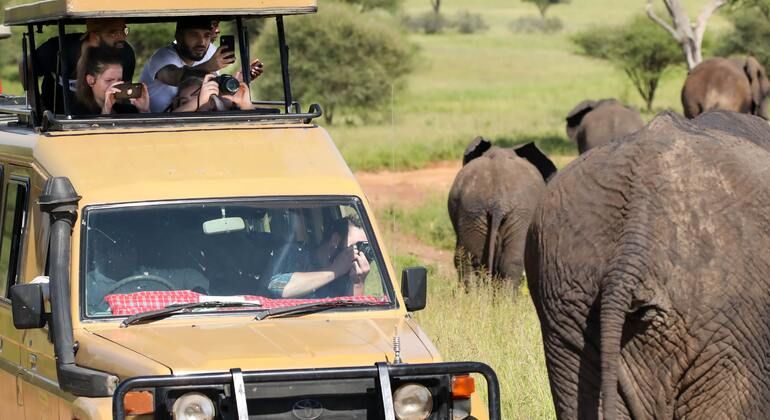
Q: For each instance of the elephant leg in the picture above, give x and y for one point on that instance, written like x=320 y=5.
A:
x=463 y=266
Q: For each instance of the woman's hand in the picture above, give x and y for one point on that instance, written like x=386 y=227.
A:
x=255 y=70
x=109 y=98
x=241 y=98
x=209 y=88
x=142 y=103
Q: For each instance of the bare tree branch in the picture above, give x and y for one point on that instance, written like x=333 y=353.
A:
x=661 y=22
x=708 y=10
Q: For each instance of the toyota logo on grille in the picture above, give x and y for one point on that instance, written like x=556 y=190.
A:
x=307 y=409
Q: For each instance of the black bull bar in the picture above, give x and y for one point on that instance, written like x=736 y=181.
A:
x=382 y=372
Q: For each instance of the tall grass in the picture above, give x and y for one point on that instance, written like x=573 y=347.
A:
x=499 y=329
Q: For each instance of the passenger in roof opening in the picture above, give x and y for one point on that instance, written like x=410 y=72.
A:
x=208 y=94
x=334 y=268
x=111 y=32
x=99 y=73
x=192 y=53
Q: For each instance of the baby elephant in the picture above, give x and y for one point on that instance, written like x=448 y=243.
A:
x=491 y=203
x=593 y=123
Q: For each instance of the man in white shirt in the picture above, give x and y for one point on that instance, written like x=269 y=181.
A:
x=192 y=51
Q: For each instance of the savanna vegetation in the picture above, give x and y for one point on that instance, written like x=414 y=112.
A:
x=480 y=75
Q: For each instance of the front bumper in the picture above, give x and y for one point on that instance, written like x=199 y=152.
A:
x=365 y=392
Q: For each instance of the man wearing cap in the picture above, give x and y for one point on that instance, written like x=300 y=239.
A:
x=191 y=51
x=110 y=31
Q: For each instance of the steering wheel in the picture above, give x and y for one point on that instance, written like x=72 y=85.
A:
x=138 y=278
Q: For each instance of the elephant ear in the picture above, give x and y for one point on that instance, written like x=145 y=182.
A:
x=754 y=72
x=575 y=117
x=476 y=148
x=536 y=157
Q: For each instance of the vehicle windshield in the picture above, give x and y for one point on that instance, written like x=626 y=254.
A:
x=272 y=253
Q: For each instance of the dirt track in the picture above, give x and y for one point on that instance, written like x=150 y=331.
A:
x=409 y=189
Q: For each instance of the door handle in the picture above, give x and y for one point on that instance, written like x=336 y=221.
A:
x=32 y=362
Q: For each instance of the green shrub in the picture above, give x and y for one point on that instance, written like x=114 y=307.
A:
x=469 y=23
x=428 y=22
x=751 y=35
x=532 y=24
x=343 y=59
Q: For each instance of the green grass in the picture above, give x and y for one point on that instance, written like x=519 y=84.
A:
x=429 y=221
x=501 y=331
x=497 y=84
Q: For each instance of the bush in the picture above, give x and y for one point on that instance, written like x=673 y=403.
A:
x=469 y=23
x=428 y=22
x=532 y=24
x=341 y=58
x=751 y=35
x=640 y=48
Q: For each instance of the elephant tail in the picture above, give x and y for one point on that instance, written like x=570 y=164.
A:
x=494 y=226
x=612 y=318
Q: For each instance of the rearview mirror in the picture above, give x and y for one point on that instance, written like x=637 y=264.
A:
x=414 y=288
x=28 y=305
x=224 y=225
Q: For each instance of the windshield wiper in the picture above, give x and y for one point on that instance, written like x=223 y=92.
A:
x=181 y=308
x=309 y=308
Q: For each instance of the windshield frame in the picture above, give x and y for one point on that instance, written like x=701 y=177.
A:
x=297 y=201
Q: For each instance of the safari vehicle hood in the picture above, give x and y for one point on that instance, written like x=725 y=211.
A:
x=284 y=343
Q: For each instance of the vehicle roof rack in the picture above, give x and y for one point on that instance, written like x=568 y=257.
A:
x=50 y=11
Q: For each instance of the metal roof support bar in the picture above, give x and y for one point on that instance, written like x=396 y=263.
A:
x=37 y=112
x=64 y=72
x=284 y=50
x=243 y=44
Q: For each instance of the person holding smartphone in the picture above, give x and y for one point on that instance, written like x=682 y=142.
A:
x=191 y=54
x=100 y=88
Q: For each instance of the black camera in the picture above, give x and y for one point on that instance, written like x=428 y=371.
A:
x=366 y=248
x=228 y=85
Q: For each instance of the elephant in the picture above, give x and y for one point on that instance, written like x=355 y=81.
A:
x=593 y=123
x=733 y=85
x=648 y=262
x=490 y=205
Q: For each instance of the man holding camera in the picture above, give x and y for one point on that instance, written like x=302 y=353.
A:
x=212 y=93
x=190 y=54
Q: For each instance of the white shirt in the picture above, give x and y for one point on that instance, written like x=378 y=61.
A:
x=162 y=94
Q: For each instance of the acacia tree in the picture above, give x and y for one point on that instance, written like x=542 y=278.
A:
x=689 y=35
x=640 y=49
x=543 y=5
x=345 y=60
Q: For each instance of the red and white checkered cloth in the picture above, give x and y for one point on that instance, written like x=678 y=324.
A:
x=133 y=303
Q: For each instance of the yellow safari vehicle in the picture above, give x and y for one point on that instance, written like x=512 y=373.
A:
x=201 y=265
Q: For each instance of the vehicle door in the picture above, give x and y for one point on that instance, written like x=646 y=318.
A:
x=11 y=397
x=38 y=385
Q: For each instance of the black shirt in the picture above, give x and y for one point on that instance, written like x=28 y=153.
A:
x=46 y=63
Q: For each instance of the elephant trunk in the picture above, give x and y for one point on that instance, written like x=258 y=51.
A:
x=612 y=317
x=494 y=226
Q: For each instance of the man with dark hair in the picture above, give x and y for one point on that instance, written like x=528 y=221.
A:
x=191 y=53
x=111 y=32
x=334 y=268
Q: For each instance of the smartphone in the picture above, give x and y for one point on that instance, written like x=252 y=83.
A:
x=129 y=91
x=228 y=42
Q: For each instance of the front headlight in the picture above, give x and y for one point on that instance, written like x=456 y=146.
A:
x=193 y=406
x=412 y=402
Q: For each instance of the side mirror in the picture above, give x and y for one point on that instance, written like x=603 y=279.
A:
x=28 y=305
x=414 y=287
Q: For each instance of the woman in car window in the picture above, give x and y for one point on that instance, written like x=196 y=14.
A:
x=333 y=268
x=196 y=94
x=100 y=72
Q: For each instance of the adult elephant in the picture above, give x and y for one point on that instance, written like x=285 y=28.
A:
x=593 y=123
x=648 y=262
x=733 y=85
x=491 y=203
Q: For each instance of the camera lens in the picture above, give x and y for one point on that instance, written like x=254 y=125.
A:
x=228 y=84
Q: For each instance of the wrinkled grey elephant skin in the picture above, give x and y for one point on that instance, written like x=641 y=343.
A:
x=739 y=85
x=491 y=204
x=591 y=123
x=648 y=261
